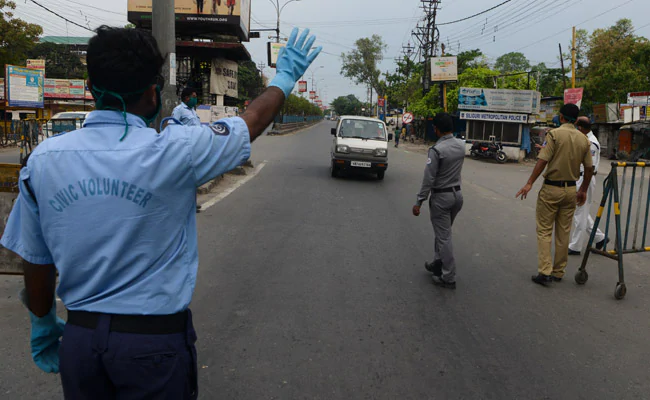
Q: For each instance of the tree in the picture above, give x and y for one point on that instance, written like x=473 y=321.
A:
x=60 y=62
x=17 y=37
x=249 y=81
x=347 y=105
x=361 y=64
x=512 y=62
x=550 y=80
x=470 y=59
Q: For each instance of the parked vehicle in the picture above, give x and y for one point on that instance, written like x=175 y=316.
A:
x=65 y=122
x=490 y=149
x=360 y=143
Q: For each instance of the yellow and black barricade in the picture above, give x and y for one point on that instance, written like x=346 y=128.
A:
x=615 y=196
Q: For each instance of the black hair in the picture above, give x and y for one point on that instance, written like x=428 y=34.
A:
x=187 y=92
x=123 y=61
x=443 y=122
x=584 y=123
x=570 y=112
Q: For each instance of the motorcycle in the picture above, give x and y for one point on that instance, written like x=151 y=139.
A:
x=488 y=150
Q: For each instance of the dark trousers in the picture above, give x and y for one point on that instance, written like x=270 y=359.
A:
x=99 y=364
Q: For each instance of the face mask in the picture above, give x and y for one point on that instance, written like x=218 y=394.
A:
x=99 y=105
x=192 y=102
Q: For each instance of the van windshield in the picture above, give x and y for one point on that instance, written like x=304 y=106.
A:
x=361 y=129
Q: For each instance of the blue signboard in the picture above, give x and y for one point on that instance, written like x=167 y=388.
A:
x=25 y=87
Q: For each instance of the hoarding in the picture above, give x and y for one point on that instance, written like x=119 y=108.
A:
x=638 y=98
x=220 y=112
x=232 y=15
x=549 y=109
x=24 y=87
x=302 y=86
x=312 y=94
x=65 y=89
x=495 y=117
x=36 y=64
x=573 y=96
x=444 y=69
x=223 y=77
x=273 y=51
x=506 y=100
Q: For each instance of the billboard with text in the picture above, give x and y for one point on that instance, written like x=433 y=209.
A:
x=24 y=87
x=506 y=100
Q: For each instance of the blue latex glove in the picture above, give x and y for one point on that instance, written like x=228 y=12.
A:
x=293 y=61
x=45 y=342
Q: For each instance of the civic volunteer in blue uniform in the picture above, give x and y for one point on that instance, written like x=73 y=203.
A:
x=185 y=113
x=111 y=208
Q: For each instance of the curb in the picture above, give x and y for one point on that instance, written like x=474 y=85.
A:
x=207 y=188
x=292 y=130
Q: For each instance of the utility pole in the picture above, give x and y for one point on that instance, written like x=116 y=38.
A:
x=562 y=63
x=261 y=67
x=573 y=60
x=164 y=30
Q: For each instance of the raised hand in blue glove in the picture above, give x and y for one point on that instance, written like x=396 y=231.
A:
x=293 y=61
x=45 y=340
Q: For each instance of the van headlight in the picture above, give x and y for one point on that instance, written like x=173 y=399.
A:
x=341 y=148
x=381 y=152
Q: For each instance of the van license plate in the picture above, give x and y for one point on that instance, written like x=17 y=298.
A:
x=361 y=164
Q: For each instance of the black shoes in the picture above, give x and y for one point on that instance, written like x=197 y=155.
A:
x=543 y=280
x=438 y=281
x=435 y=268
x=601 y=244
x=556 y=279
x=574 y=253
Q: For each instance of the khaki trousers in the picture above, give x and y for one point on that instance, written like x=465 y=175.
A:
x=555 y=207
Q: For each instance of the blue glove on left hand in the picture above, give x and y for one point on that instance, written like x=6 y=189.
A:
x=293 y=61
x=45 y=342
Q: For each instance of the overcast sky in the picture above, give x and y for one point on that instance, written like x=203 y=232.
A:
x=534 y=27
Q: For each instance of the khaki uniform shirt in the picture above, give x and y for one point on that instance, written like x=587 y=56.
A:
x=566 y=149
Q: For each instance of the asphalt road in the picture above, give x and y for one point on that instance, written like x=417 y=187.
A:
x=314 y=288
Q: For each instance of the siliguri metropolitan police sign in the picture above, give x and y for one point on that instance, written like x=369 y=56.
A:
x=495 y=117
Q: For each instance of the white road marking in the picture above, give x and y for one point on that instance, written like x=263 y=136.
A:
x=227 y=192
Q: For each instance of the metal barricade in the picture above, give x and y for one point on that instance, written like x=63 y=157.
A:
x=10 y=263
x=613 y=195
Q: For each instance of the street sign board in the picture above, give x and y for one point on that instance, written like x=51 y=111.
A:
x=312 y=94
x=496 y=117
x=24 y=87
x=273 y=51
x=573 y=96
x=444 y=69
x=223 y=77
x=302 y=86
x=407 y=118
x=36 y=64
x=505 y=100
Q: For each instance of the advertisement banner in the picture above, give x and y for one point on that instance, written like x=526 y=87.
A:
x=573 y=96
x=444 y=69
x=381 y=102
x=24 y=87
x=638 y=98
x=221 y=112
x=223 y=77
x=494 y=117
x=312 y=94
x=506 y=100
x=65 y=89
x=302 y=86
x=273 y=50
x=36 y=64
x=232 y=15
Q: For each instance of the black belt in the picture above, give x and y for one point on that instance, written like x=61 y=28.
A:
x=141 y=324
x=560 y=183
x=447 y=190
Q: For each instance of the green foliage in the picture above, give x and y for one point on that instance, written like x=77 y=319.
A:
x=296 y=105
x=249 y=81
x=550 y=80
x=512 y=62
x=17 y=37
x=60 y=62
x=361 y=64
x=347 y=105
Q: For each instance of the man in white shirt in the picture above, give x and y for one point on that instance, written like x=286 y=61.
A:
x=582 y=221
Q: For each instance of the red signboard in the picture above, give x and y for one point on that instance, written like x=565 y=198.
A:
x=312 y=94
x=302 y=86
x=381 y=102
x=573 y=96
x=65 y=89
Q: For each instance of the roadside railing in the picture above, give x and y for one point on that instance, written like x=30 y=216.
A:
x=631 y=208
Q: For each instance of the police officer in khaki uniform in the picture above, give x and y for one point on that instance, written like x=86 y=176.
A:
x=566 y=149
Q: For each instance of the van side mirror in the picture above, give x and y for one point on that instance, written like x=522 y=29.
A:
x=334 y=131
x=390 y=137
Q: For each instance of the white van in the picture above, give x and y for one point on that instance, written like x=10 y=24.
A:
x=360 y=143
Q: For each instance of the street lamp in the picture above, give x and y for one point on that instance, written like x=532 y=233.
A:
x=278 y=9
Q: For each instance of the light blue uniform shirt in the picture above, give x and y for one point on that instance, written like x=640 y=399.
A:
x=186 y=116
x=118 y=219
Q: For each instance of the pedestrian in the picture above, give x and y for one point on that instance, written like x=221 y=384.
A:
x=199 y=6
x=442 y=186
x=185 y=113
x=109 y=207
x=403 y=131
x=583 y=223
x=565 y=150
x=396 y=136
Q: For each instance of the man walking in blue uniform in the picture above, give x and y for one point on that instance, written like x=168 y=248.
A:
x=111 y=208
x=185 y=113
